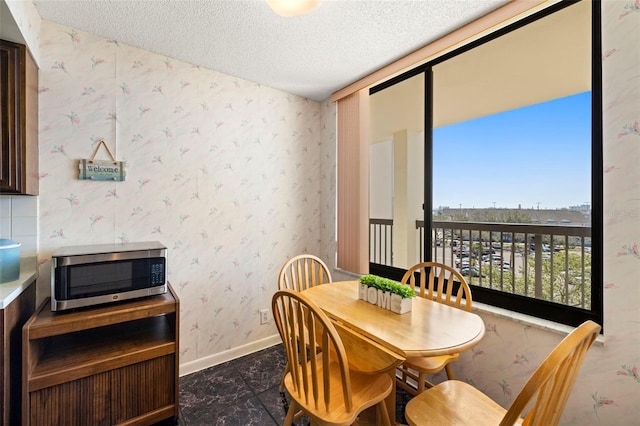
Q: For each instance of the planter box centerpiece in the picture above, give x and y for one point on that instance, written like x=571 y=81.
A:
x=386 y=293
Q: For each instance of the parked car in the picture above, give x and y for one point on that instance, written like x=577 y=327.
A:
x=461 y=250
x=462 y=261
x=474 y=271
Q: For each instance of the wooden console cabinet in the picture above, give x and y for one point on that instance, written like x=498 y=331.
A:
x=12 y=318
x=108 y=365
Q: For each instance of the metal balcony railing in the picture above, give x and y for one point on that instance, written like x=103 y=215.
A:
x=548 y=262
x=381 y=241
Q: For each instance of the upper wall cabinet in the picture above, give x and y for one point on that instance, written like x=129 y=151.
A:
x=18 y=120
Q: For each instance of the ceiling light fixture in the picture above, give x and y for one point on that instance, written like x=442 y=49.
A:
x=292 y=7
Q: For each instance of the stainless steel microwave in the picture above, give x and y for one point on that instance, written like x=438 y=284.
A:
x=105 y=273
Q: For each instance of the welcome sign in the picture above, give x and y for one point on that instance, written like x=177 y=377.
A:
x=102 y=170
x=90 y=169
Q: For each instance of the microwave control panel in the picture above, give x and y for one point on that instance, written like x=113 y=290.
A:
x=157 y=272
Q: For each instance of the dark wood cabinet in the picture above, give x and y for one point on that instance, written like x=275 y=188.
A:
x=12 y=318
x=18 y=120
x=116 y=364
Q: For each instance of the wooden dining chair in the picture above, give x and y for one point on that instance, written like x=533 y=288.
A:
x=300 y=273
x=443 y=284
x=303 y=271
x=458 y=403
x=321 y=384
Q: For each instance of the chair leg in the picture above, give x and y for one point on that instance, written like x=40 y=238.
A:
x=403 y=381
x=447 y=368
x=421 y=382
x=383 y=413
x=288 y=421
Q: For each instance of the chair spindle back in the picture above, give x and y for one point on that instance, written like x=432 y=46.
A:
x=302 y=272
x=303 y=325
x=437 y=281
x=550 y=385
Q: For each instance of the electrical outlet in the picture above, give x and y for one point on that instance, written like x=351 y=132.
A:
x=264 y=316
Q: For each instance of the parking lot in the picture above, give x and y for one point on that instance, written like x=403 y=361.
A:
x=491 y=260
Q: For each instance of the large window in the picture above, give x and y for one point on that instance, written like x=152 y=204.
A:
x=489 y=159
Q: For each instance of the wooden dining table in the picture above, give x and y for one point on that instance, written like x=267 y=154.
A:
x=378 y=340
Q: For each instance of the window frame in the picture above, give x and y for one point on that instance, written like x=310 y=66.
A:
x=535 y=307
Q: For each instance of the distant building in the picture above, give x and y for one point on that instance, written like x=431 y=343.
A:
x=562 y=217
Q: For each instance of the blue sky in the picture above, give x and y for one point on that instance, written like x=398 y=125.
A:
x=539 y=155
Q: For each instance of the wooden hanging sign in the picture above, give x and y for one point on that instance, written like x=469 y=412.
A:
x=91 y=169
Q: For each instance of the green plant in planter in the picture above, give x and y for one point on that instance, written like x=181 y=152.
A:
x=385 y=284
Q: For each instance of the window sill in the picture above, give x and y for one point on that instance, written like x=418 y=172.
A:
x=554 y=327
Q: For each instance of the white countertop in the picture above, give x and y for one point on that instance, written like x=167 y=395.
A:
x=10 y=290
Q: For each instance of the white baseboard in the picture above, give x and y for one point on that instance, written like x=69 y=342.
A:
x=228 y=355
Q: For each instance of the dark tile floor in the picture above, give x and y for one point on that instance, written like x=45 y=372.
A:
x=242 y=392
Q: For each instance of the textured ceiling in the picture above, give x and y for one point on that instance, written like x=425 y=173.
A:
x=311 y=55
